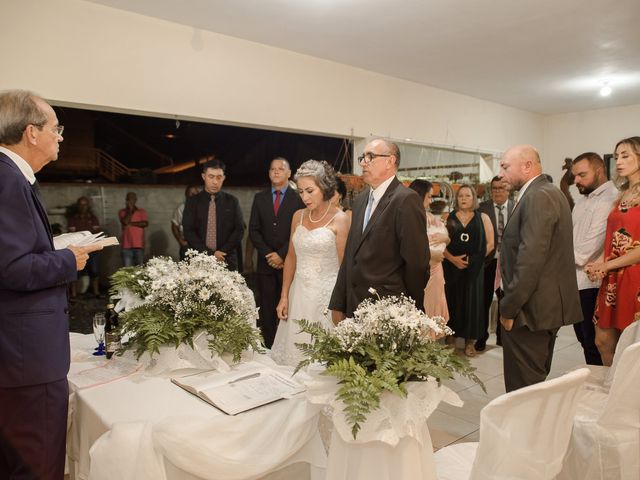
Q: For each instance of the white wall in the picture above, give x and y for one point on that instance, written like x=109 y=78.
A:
x=569 y=135
x=77 y=52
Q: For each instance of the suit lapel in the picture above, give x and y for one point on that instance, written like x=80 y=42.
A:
x=35 y=195
x=380 y=208
x=287 y=201
x=492 y=213
x=359 y=207
x=516 y=206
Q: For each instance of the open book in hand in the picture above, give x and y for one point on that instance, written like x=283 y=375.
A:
x=248 y=385
x=82 y=239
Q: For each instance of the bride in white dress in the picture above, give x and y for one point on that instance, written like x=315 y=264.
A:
x=318 y=237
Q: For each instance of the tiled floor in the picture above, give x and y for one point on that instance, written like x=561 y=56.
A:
x=450 y=424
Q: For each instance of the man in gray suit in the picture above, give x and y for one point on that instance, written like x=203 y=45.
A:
x=498 y=209
x=537 y=268
x=387 y=247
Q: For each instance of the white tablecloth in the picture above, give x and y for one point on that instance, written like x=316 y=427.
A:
x=140 y=427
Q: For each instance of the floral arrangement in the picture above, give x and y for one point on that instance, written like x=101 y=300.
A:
x=387 y=343
x=169 y=302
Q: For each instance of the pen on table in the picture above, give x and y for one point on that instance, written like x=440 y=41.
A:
x=246 y=377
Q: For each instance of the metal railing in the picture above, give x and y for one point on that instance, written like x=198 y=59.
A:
x=99 y=162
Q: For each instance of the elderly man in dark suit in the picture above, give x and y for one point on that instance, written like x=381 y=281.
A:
x=212 y=219
x=269 y=229
x=498 y=209
x=537 y=268
x=387 y=247
x=34 y=323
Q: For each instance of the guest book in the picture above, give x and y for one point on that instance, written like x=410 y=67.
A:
x=83 y=239
x=247 y=386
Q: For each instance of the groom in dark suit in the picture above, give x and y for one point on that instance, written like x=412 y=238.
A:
x=387 y=247
x=537 y=268
x=269 y=229
x=34 y=320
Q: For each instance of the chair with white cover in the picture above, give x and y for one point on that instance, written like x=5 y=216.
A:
x=523 y=434
x=605 y=443
x=601 y=377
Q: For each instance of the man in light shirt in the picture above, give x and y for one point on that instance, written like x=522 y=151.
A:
x=589 y=226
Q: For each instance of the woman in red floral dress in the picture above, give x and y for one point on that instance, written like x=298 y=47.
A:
x=619 y=297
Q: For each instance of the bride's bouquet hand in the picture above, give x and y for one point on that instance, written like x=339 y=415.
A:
x=283 y=309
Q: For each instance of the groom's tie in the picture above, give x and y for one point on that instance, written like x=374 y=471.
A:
x=367 y=212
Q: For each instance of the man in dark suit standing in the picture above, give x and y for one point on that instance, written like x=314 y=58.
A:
x=498 y=210
x=387 y=247
x=212 y=219
x=537 y=268
x=34 y=322
x=269 y=229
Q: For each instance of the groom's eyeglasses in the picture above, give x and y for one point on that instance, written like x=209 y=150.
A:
x=368 y=157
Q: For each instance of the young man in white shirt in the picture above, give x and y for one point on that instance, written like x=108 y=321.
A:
x=589 y=226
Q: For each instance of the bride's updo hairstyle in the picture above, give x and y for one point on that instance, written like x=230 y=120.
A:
x=322 y=173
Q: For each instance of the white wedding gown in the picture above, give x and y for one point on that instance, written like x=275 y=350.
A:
x=315 y=276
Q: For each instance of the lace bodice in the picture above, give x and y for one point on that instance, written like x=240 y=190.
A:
x=316 y=257
x=316 y=272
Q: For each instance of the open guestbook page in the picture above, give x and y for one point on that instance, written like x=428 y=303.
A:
x=82 y=239
x=246 y=386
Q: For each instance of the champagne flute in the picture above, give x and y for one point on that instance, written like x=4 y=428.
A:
x=99 y=323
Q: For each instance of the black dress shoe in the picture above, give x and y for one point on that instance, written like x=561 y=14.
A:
x=480 y=345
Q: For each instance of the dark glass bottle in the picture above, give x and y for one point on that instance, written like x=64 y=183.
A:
x=112 y=335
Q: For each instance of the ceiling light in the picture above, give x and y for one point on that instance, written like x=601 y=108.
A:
x=605 y=91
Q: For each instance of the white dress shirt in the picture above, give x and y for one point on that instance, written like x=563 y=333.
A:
x=379 y=192
x=524 y=188
x=21 y=163
x=589 y=227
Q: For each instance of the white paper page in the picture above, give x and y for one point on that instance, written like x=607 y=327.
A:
x=244 y=394
x=84 y=238
x=66 y=239
x=113 y=369
x=89 y=239
x=213 y=378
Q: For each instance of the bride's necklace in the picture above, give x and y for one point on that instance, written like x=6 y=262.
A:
x=320 y=219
